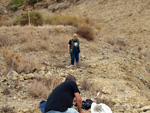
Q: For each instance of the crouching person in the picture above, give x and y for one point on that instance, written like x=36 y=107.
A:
x=61 y=98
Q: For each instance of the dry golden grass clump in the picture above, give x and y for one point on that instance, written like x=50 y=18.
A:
x=84 y=26
x=67 y=20
x=5 y=41
x=85 y=84
x=87 y=32
x=14 y=61
x=42 y=87
x=34 y=46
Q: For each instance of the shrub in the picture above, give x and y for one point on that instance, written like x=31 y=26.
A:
x=32 y=2
x=42 y=87
x=14 y=61
x=15 y=4
x=85 y=84
x=36 y=18
x=6 y=109
x=37 y=89
x=64 y=20
x=86 y=32
x=6 y=91
x=4 y=41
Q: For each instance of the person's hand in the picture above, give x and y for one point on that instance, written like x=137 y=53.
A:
x=82 y=111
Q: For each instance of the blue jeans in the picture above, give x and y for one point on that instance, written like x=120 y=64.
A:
x=75 y=55
x=69 y=110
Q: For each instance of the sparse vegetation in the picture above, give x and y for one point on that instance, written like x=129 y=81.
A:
x=32 y=2
x=6 y=109
x=86 y=32
x=42 y=87
x=15 y=4
x=65 y=20
x=36 y=19
x=4 y=41
x=19 y=64
x=6 y=91
x=85 y=84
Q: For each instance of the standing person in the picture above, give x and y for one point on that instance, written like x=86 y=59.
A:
x=74 y=49
x=61 y=98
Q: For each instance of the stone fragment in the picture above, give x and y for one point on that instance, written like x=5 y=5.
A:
x=13 y=75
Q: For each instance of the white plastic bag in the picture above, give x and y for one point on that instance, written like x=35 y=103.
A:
x=100 y=108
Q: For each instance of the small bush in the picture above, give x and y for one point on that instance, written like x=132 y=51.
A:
x=15 y=4
x=37 y=89
x=85 y=84
x=36 y=19
x=4 y=41
x=42 y=87
x=6 y=109
x=14 y=61
x=29 y=46
x=86 y=32
x=6 y=91
x=32 y=2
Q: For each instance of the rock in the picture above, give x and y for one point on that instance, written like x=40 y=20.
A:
x=93 y=65
x=48 y=74
x=10 y=83
x=13 y=75
x=28 y=76
x=122 y=108
x=21 y=78
x=144 y=108
x=106 y=90
x=82 y=56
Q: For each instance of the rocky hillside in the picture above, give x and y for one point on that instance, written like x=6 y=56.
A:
x=114 y=68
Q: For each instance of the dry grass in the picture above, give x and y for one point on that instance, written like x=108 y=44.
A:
x=86 y=32
x=66 y=20
x=3 y=20
x=16 y=62
x=37 y=89
x=35 y=46
x=29 y=47
x=42 y=87
x=85 y=84
x=6 y=91
x=6 y=109
x=5 y=41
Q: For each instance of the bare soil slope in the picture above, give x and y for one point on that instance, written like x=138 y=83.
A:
x=114 y=67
